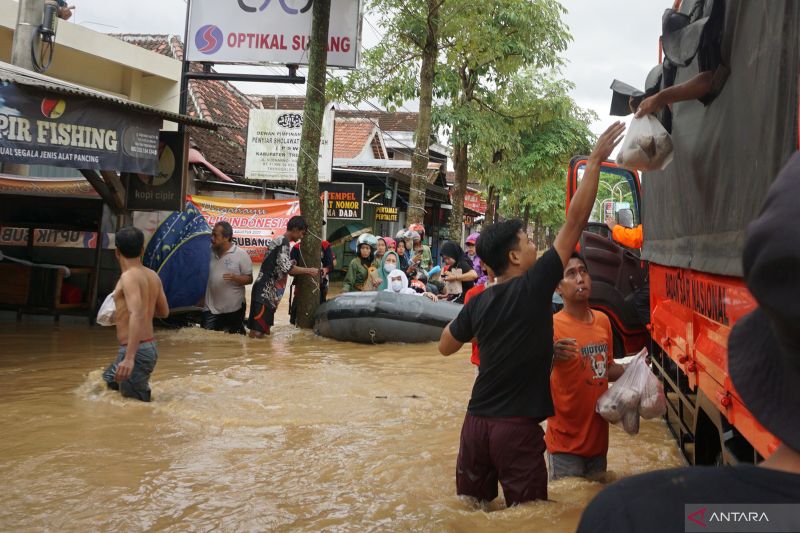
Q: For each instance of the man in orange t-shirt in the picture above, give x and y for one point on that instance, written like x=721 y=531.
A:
x=583 y=364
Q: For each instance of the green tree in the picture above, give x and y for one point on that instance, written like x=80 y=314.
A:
x=402 y=67
x=486 y=45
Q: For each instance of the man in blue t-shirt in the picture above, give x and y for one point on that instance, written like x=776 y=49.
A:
x=512 y=321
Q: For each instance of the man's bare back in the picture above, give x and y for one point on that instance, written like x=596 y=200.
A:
x=138 y=295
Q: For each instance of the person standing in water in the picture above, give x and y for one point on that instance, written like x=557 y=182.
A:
x=138 y=297
x=501 y=439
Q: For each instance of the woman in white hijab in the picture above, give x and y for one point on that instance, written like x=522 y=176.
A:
x=398 y=283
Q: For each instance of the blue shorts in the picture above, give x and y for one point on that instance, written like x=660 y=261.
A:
x=138 y=384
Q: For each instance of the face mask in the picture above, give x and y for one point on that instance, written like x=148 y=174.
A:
x=388 y=267
x=397 y=286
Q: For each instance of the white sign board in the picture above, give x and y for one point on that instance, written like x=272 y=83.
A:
x=269 y=31
x=273 y=145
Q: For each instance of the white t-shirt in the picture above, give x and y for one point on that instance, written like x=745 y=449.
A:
x=227 y=296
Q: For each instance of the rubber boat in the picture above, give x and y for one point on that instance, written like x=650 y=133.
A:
x=378 y=317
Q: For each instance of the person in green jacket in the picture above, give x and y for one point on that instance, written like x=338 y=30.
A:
x=358 y=276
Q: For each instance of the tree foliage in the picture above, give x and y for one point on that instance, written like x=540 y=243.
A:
x=498 y=97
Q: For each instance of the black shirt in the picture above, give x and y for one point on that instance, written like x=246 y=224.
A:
x=513 y=322
x=655 y=501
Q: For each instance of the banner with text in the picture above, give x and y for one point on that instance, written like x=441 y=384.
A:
x=166 y=190
x=387 y=214
x=52 y=238
x=273 y=145
x=345 y=200
x=260 y=31
x=255 y=222
x=40 y=128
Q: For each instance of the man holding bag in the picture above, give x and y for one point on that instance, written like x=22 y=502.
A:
x=583 y=364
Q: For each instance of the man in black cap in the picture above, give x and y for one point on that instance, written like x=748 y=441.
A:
x=764 y=366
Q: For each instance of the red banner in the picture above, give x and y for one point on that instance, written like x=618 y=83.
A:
x=472 y=200
x=255 y=222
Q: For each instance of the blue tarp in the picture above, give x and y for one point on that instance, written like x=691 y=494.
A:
x=180 y=251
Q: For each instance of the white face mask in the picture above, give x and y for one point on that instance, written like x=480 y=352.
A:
x=388 y=267
x=397 y=286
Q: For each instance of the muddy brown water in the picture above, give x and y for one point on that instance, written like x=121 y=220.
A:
x=292 y=433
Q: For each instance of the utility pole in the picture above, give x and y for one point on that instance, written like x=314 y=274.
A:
x=29 y=17
x=308 y=164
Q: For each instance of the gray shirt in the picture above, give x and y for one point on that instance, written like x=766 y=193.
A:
x=227 y=296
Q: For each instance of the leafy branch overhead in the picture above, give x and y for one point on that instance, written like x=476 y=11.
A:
x=498 y=96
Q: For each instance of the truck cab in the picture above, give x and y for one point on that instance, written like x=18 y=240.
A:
x=618 y=274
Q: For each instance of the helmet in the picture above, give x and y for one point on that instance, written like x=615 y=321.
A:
x=413 y=235
x=473 y=238
x=368 y=238
x=400 y=235
x=419 y=228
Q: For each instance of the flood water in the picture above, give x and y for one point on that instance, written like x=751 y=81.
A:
x=294 y=432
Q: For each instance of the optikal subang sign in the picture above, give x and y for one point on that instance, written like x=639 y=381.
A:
x=38 y=128
x=269 y=31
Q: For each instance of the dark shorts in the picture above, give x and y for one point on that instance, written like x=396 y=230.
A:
x=228 y=322
x=138 y=385
x=508 y=450
x=262 y=317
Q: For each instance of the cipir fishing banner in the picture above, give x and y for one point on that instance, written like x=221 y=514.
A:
x=254 y=222
x=41 y=128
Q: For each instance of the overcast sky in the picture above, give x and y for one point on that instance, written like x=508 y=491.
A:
x=612 y=39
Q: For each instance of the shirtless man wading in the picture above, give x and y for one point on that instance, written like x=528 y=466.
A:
x=138 y=297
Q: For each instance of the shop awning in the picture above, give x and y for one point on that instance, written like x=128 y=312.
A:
x=19 y=76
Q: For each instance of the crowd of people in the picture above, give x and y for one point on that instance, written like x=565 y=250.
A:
x=378 y=258
x=404 y=264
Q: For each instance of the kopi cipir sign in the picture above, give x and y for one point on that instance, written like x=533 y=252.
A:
x=42 y=128
x=273 y=145
x=269 y=31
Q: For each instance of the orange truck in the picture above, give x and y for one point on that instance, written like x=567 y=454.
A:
x=694 y=213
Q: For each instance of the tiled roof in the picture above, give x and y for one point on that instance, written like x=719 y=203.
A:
x=351 y=136
x=212 y=100
x=281 y=102
x=386 y=121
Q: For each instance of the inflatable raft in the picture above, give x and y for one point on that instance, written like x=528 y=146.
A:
x=378 y=317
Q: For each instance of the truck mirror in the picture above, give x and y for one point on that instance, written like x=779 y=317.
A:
x=625 y=217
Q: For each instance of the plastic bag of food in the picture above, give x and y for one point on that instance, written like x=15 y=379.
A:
x=620 y=403
x=107 y=313
x=647 y=145
x=653 y=402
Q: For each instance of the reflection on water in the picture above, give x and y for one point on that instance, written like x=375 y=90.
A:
x=294 y=432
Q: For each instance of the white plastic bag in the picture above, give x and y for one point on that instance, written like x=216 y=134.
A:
x=620 y=403
x=647 y=145
x=107 y=313
x=653 y=402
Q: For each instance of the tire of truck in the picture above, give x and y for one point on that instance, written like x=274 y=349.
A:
x=707 y=433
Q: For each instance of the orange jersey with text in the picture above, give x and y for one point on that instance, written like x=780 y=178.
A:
x=576 y=384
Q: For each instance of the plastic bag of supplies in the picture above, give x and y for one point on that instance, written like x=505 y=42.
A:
x=647 y=145
x=107 y=313
x=637 y=392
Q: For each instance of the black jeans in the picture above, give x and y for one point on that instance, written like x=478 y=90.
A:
x=228 y=322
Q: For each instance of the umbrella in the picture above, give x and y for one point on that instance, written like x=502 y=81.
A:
x=348 y=231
